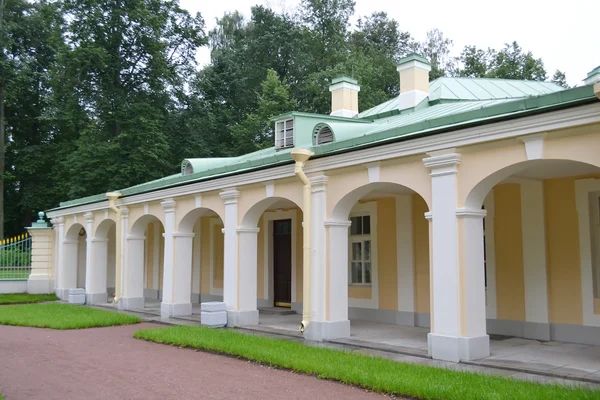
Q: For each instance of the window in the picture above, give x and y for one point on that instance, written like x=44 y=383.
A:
x=284 y=134
x=595 y=227
x=360 y=250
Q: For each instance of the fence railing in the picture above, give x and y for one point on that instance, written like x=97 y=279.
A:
x=15 y=257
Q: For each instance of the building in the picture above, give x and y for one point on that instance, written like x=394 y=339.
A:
x=469 y=206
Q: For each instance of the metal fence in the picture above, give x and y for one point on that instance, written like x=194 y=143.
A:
x=15 y=258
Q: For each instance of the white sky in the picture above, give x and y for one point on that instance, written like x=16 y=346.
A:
x=565 y=34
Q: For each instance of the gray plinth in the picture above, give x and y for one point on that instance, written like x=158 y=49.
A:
x=77 y=296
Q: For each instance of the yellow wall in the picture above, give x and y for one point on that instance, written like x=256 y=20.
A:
x=299 y=255
x=149 y=255
x=562 y=251
x=387 y=254
x=260 y=263
x=218 y=254
x=508 y=241
x=205 y=256
x=421 y=254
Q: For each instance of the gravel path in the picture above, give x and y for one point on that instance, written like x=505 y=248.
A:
x=107 y=363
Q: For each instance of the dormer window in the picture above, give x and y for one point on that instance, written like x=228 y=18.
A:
x=322 y=134
x=284 y=134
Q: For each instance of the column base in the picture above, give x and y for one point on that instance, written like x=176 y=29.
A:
x=39 y=286
x=131 y=303
x=62 y=293
x=96 y=298
x=452 y=348
x=175 y=310
x=242 y=318
x=318 y=330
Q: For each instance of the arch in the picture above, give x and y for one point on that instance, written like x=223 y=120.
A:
x=342 y=208
x=75 y=231
x=477 y=194
x=186 y=225
x=250 y=219
x=139 y=226
x=103 y=228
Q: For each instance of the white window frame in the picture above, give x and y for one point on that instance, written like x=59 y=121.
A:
x=285 y=140
x=583 y=192
x=361 y=238
x=361 y=209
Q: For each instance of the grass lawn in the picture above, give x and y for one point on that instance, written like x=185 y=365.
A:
x=23 y=298
x=377 y=374
x=62 y=316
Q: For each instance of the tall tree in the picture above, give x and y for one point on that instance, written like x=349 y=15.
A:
x=126 y=65
x=436 y=48
x=560 y=78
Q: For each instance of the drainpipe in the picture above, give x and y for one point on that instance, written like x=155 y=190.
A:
x=301 y=156
x=112 y=198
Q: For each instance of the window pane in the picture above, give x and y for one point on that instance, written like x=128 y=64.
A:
x=367 y=272
x=356 y=227
x=367 y=250
x=356 y=251
x=356 y=272
x=366 y=225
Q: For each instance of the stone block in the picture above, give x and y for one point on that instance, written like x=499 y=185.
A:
x=213 y=319
x=213 y=306
x=77 y=296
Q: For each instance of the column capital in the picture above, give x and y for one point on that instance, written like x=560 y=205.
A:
x=168 y=205
x=57 y=221
x=318 y=183
x=89 y=217
x=331 y=223
x=470 y=213
x=136 y=237
x=183 y=235
x=442 y=164
x=428 y=215
x=230 y=196
x=247 y=230
x=98 y=240
x=124 y=212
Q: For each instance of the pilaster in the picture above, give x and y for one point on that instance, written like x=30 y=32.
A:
x=42 y=257
x=457 y=276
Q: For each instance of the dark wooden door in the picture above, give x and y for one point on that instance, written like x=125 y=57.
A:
x=282 y=262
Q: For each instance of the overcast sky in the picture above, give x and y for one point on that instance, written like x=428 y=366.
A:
x=565 y=34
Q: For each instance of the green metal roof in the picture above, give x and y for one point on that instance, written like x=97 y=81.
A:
x=352 y=134
x=413 y=57
x=594 y=72
x=344 y=79
x=469 y=89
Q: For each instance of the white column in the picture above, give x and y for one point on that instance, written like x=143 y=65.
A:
x=534 y=261
x=238 y=314
x=59 y=224
x=133 y=285
x=248 y=292
x=458 y=291
x=89 y=229
x=196 y=261
x=155 y=258
x=69 y=266
x=405 y=260
x=329 y=277
x=95 y=290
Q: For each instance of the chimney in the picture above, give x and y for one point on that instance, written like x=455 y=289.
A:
x=344 y=97
x=593 y=76
x=414 y=80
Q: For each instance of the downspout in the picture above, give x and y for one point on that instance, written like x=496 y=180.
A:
x=301 y=156
x=112 y=198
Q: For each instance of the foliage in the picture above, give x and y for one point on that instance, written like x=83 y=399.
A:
x=373 y=373
x=105 y=95
x=15 y=257
x=62 y=316
x=24 y=298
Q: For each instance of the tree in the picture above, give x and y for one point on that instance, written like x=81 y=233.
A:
x=436 y=48
x=511 y=62
x=560 y=78
x=256 y=131
x=125 y=69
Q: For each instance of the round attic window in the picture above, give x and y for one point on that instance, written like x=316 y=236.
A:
x=323 y=134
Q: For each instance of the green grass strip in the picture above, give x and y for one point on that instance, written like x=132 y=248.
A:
x=62 y=316
x=24 y=298
x=373 y=373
